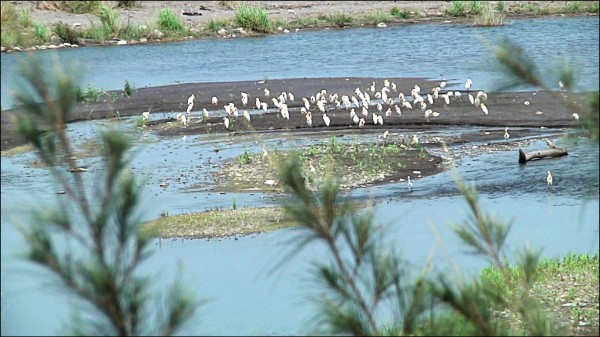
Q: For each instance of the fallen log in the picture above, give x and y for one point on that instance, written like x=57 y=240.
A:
x=549 y=153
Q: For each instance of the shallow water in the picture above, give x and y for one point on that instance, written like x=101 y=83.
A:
x=234 y=274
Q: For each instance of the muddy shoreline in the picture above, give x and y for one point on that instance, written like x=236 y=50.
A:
x=506 y=109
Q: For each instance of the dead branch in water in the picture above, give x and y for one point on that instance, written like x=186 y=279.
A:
x=541 y=154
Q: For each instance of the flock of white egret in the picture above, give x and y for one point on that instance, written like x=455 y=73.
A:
x=388 y=101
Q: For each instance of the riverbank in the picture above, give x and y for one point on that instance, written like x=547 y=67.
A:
x=139 y=23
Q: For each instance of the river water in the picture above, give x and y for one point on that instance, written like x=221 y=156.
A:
x=247 y=296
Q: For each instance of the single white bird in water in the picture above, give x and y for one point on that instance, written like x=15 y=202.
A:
x=549 y=178
x=191 y=99
x=468 y=84
x=506 y=135
x=214 y=100
x=409 y=184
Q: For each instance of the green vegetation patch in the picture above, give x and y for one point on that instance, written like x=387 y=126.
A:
x=218 y=223
x=354 y=164
x=253 y=18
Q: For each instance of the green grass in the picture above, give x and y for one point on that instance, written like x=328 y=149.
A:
x=477 y=7
x=216 y=24
x=400 y=13
x=169 y=21
x=377 y=17
x=489 y=17
x=81 y=7
x=253 y=18
x=500 y=6
x=66 y=33
x=111 y=20
x=91 y=94
x=457 y=8
x=24 y=17
x=41 y=31
x=340 y=19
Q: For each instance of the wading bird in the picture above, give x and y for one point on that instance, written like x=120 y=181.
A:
x=549 y=178
x=468 y=84
x=146 y=115
x=326 y=119
x=247 y=115
x=189 y=108
x=409 y=184
x=550 y=144
x=191 y=99
x=226 y=122
x=483 y=108
x=506 y=135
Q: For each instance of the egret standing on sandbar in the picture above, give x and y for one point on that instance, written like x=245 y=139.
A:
x=506 y=135
x=409 y=184
x=191 y=99
x=226 y=122
x=326 y=119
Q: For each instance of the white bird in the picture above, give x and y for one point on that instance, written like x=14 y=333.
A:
x=290 y=96
x=443 y=84
x=576 y=116
x=146 y=115
x=457 y=94
x=415 y=139
x=550 y=144
x=471 y=99
x=427 y=114
x=380 y=119
x=375 y=118
x=373 y=87
x=361 y=123
x=226 y=122
x=468 y=84
x=257 y=103
x=267 y=92
x=265 y=106
x=506 y=135
x=247 y=115
x=409 y=184
x=406 y=104
x=309 y=119
x=244 y=99
x=561 y=86
x=386 y=134
x=483 y=108
x=549 y=178
x=430 y=99
x=189 y=108
x=446 y=99
x=184 y=121
x=191 y=99
x=205 y=112
x=215 y=100
x=326 y=119
x=313 y=170
x=355 y=119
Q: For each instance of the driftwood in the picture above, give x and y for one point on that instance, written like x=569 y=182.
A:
x=540 y=154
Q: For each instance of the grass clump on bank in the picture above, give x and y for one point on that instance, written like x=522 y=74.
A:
x=253 y=18
x=169 y=21
x=488 y=16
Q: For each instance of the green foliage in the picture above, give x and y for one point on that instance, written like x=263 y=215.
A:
x=169 y=21
x=41 y=31
x=90 y=95
x=245 y=159
x=104 y=271
x=377 y=17
x=66 y=33
x=110 y=20
x=458 y=8
x=216 y=24
x=500 y=6
x=24 y=17
x=477 y=7
x=572 y=7
x=488 y=17
x=253 y=18
x=128 y=89
x=340 y=19
x=81 y=7
x=8 y=15
x=400 y=13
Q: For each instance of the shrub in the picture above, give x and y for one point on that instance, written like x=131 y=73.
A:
x=377 y=17
x=24 y=17
x=8 y=15
x=128 y=89
x=169 y=21
x=216 y=24
x=340 y=19
x=500 y=6
x=66 y=33
x=477 y=7
x=80 y=7
x=457 y=8
x=489 y=17
x=41 y=31
x=253 y=18
x=110 y=19
x=400 y=13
